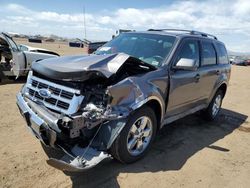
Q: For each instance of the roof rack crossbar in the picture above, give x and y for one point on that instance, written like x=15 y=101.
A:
x=192 y=32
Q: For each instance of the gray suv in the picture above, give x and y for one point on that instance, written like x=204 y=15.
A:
x=113 y=102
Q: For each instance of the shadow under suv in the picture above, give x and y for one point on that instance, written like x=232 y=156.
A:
x=113 y=102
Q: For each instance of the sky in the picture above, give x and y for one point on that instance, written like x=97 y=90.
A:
x=229 y=20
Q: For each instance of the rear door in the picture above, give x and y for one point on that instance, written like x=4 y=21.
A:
x=185 y=88
x=209 y=69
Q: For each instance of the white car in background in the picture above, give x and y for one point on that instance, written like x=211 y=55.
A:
x=15 y=61
x=23 y=47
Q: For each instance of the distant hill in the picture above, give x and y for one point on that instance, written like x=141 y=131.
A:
x=231 y=53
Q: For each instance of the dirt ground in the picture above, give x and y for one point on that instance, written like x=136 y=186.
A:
x=188 y=153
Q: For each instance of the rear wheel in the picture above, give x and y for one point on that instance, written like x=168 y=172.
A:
x=12 y=78
x=136 y=137
x=214 y=107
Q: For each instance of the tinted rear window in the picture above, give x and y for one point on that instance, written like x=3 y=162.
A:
x=222 y=54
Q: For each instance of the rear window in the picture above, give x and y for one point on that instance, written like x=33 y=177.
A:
x=222 y=54
x=208 y=54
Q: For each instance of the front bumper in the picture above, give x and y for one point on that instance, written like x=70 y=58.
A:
x=38 y=126
x=44 y=126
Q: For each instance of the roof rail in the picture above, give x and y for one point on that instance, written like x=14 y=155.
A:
x=192 y=32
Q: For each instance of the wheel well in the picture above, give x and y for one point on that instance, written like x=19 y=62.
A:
x=223 y=88
x=156 y=107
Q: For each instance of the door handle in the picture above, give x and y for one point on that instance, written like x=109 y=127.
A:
x=197 y=77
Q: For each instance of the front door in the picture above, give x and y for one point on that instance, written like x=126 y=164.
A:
x=18 y=57
x=18 y=63
x=185 y=88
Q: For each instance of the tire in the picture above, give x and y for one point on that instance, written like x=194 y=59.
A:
x=212 y=111
x=132 y=132
x=12 y=78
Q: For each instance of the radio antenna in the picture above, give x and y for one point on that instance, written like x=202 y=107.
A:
x=84 y=20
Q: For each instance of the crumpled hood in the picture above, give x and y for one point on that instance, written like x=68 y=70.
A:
x=80 y=68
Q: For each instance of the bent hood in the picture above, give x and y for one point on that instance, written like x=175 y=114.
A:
x=80 y=68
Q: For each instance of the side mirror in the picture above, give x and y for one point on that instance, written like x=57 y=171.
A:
x=186 y=64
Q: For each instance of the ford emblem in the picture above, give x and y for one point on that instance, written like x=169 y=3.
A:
x=44 y=93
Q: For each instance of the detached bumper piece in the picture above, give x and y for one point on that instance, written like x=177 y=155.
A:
x=81 y=160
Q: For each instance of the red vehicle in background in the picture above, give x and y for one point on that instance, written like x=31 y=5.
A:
x=246 y=62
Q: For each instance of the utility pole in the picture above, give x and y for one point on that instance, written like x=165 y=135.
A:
x=85 y=31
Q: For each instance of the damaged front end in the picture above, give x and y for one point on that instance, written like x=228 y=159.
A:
x=82 y=115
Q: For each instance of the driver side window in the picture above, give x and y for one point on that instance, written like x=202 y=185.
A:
x=189 y=50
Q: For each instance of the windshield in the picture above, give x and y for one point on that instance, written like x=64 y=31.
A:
x=150 y=48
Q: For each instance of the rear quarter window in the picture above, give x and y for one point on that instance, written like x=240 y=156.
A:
x=222 y=54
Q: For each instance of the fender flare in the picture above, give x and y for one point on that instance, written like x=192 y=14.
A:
x=216 y=89
x=110 y=130
x=149 y=99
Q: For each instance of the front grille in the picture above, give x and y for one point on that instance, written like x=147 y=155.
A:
x=62 y=98
x=63 y=105
x=67 y=94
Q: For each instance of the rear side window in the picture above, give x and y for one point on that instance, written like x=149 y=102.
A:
x=222 y=54
x=208 y=54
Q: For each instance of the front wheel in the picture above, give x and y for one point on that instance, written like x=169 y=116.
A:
x=136 y=137
x=214 y=107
